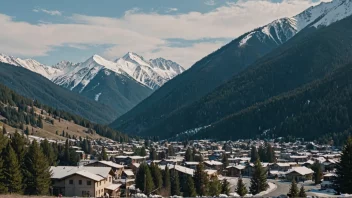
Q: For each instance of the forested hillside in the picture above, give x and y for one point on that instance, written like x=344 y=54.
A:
x=35 y=86
x=321 y=107
x=19 y=111
x=203 y=77
x=303 y=59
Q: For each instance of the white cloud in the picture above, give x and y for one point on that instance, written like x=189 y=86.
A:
x=146 y=33
x=209 y=2
x=50 y=12
x=171 y=10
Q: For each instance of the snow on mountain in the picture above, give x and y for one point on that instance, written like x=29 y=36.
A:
x=283 y=29
x=153 y=73
x=31 y=65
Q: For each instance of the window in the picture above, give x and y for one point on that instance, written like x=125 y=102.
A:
x=71 y=181
x=85 y=194
x=89 y=182
x=109 y=179
x=80 y=182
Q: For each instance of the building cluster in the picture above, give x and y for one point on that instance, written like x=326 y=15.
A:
x=115 y=176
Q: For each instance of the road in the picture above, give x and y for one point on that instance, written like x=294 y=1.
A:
x=283 y=187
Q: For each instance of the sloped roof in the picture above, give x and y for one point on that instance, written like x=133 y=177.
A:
x=59 y=172
x=113 y=186
x=300 y=170
x=111 y=164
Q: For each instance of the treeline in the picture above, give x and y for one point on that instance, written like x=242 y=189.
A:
x=150 y=179
x=301 y=60
x=25 y=165
x=24 y=114
x=321 y=107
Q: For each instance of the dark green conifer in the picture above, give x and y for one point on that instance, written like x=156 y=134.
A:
x=258 y=180
x=12 y=171
x=241 y=189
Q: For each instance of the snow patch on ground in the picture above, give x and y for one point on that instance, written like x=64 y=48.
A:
x=271 y=188
x=96 y=98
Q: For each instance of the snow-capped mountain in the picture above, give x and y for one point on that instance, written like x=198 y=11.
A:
x=121 y=84
x=283 y=29
x=153 y=73
x=32 y=65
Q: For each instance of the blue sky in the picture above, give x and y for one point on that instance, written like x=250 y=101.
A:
x=180 y=30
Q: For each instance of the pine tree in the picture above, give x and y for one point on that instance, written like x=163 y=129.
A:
x=214 y=187
x=317 y=176
x=104 y=155
x=12 y=171
x=225 y=161
x=188 y=155
x=188 y=187
x=152 y=154
x=18 y=143
x=225 y=187
x=143 y=152
x=170 y=150
x=3 y=143
x=47 y=149
x=38 y=172
x=294 y=192
x=157 y=176
x=67 y=152
x=241 y=189
x=343 y=181
x=302 y=192
x=258 y=180
x=26 y=131
x=144 y=180
x=167 y=181
x=262 y=154
x=201 y=180
x=254 y=154
x=270 y=153
x=175 y=183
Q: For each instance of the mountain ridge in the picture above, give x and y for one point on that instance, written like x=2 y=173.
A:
x=232 y=58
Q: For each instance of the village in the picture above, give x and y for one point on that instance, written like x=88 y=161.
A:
x=114 y=169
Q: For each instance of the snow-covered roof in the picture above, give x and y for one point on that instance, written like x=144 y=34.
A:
x=95 y=173
x=300 y=170
x=113 y=187
x=213 y=163
x=128 y=172
x=111 y=164
x=191 y=163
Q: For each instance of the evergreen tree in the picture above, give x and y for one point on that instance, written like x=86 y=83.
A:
x=104 y=155
x=225 y=161
x=214 y=187
x=343 y=181
x=152 y=154
x=3 y=143
x=48 y=151
x=157 y=176
x=18 y=143
x=175 y=183
x=144 y=180
x=302 y=192
x=294 y=192
x=317 y=176
x=262 y=154
x=40 y=122
x=66 y=152
x=225 y=187
x=241 y=189
x=167 y=181
x=170 y=150
x=254 y=154
x=143 y=152
x=188 y=187
x=188 y=155
x=12 y=171
x=258 y=180
x=201 y=180
x=26 y=131
x=38 y=172
x=270 y=153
